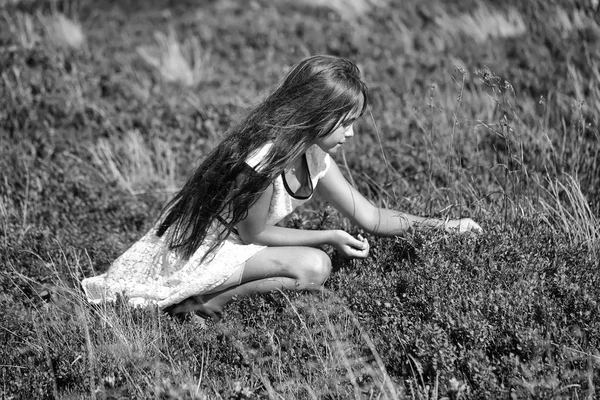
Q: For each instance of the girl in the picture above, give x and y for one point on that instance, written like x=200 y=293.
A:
x=217 y=237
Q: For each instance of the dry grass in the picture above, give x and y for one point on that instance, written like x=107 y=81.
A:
x=5 y=3
x=347 y=9
x=585 y=90
x=571 y=214
x=182 y=62
x=577 y=20
x=63 y=31
x=13 y=88
x=137 y=166
x=482 y=24
x=343 y=363
x=134 y=340
x=140 y=84
x=23 y=28
x=139 y=346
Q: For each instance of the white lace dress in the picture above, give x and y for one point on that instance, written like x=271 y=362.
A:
x=149 y=273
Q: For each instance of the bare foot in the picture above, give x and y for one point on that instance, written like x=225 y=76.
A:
x=195 y=305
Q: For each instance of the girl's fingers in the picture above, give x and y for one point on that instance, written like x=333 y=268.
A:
x=472 y=226
x=364 y=242
x=464 y=225
x=353 y=253
x=361 y=250
x=358 y=243
x=355 y=247
x=364 y=245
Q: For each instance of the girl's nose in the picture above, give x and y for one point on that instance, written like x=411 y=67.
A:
x=349 y=132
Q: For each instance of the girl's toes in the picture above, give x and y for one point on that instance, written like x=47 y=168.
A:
x=198 y=320
x=204 y=312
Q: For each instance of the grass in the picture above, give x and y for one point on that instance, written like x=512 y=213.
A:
x=62 y=31
x=135 y=166
x=22 y=27
x=475 y=111
x=482 y=24
x=185 y=63
x=348 y=10
x=571 y=214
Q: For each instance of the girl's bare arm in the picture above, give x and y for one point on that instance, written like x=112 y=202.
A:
x=379 y=221
x=253 y=229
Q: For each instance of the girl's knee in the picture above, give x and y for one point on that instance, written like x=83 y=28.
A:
x=316 y=268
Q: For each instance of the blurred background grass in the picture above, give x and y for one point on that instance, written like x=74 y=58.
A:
x=477 y=109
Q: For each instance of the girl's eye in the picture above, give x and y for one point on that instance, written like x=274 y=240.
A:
x=346 y=124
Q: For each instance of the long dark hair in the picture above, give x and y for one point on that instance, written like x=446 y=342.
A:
x=310 y=102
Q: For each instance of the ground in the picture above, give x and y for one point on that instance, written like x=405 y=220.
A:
x=476 y=110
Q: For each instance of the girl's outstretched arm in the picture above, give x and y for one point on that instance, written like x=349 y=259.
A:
x=253 y=229
x=379 y=221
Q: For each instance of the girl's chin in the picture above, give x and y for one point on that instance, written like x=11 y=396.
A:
x=331 y=150
x=335 y=148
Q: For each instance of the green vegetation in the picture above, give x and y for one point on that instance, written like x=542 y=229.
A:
x=477 y=111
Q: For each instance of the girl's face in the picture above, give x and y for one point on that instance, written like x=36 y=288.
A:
x=344 y=130
x=332 y=142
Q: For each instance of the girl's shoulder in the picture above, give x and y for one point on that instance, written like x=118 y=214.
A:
x=318 y=161
x=258 y=155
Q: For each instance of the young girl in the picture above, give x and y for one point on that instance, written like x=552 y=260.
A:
x=218 y=237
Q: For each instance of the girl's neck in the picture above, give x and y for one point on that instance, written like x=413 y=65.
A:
x=296 y=178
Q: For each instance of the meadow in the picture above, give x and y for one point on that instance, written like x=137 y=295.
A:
x=478 y=109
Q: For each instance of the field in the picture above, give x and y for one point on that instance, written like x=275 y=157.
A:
x=477 y=109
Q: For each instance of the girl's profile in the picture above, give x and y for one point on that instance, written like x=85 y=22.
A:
x=218 y=237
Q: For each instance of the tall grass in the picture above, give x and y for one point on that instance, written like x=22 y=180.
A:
x=136 y=165
x=118 y=350
x=568 y=212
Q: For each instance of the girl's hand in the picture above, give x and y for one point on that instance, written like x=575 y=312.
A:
x=350 y=246
x=462 y=225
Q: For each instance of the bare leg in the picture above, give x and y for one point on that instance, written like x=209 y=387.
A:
x=294 y=268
